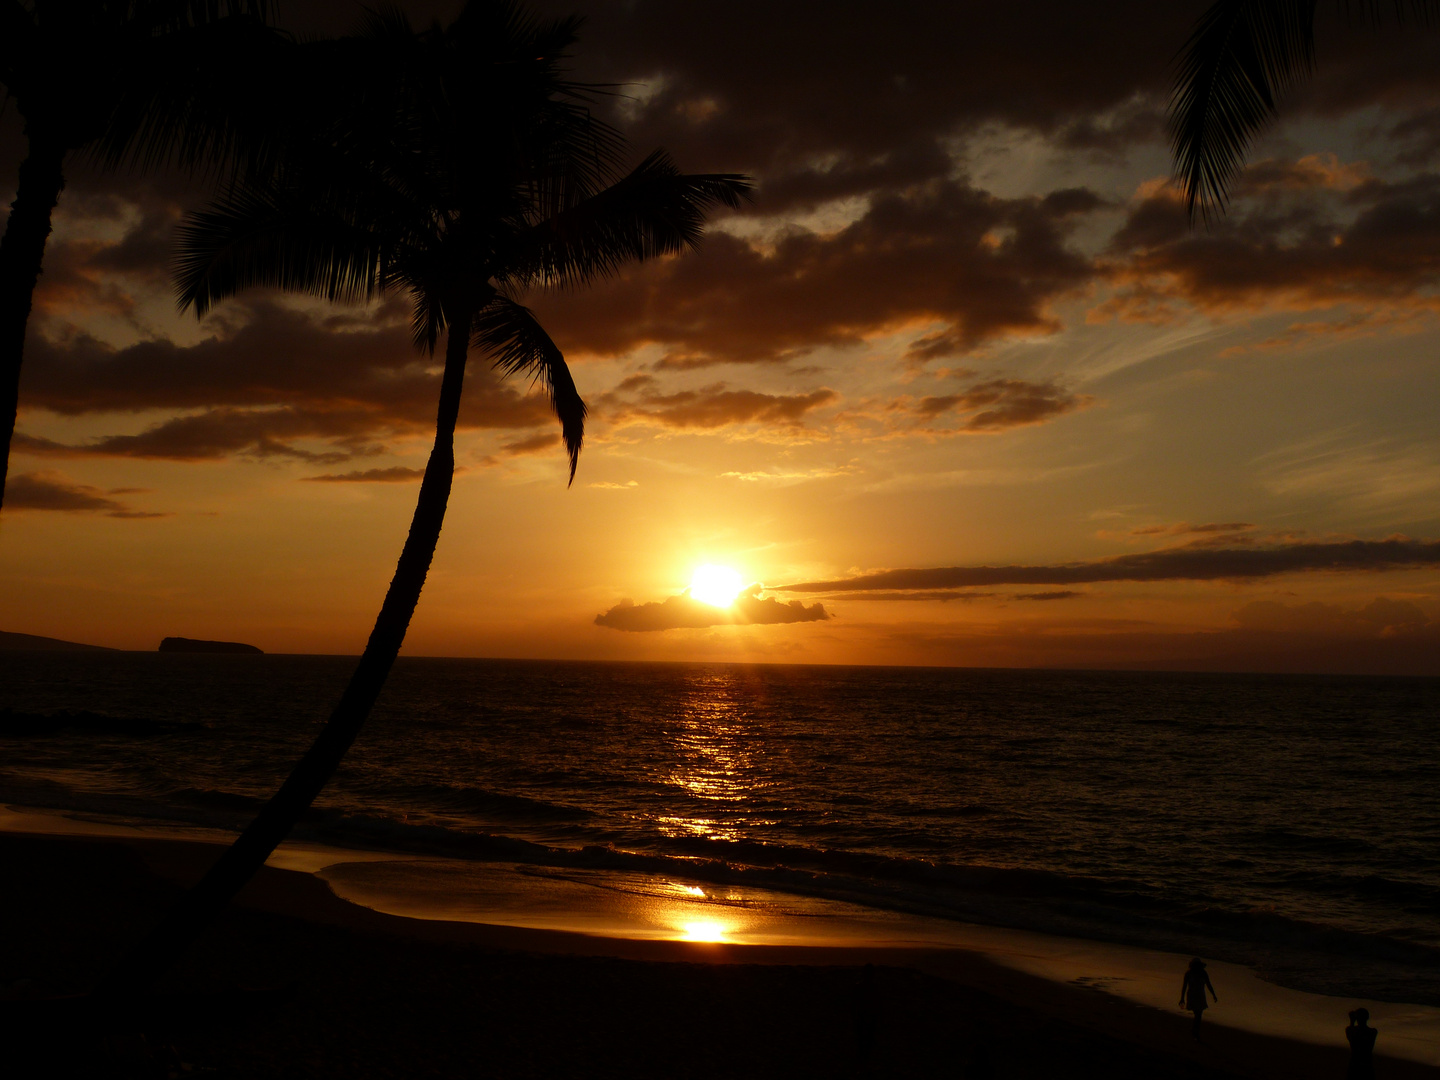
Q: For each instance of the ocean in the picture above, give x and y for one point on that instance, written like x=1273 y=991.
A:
x=1291 y=824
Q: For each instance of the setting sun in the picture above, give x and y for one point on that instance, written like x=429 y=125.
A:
x=717 y=585
x=704 y=930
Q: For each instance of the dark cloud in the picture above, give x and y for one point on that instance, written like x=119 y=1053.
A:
x=220 y=433
x=945 y=595
x=1370 y=242
x=1419 y=137
x=1188 y=563
x=806 y=91
x=533 y=444
x=914 y=595
x=396 y=474
x=1001 y=404
x=54 y=491
x=82 y=275
x=946 y=255
x=822 y=102
x=864 y=105
x=266 y=380
x=682 y=612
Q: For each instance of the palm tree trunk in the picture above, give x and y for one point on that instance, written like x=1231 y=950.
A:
x=148 y=959
x=21 y=252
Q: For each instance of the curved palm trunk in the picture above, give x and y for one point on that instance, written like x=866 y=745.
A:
x=21 y=252
x=168 y=941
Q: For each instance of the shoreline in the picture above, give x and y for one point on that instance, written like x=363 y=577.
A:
x=1046 y=975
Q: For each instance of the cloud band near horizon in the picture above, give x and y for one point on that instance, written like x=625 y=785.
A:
x=1190 y=563
x=683 y=612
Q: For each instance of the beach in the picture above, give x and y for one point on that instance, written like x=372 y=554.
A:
x=559 y=869
x=294 y=981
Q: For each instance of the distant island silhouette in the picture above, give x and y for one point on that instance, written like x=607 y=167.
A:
x=11 y=642
x=185 y=644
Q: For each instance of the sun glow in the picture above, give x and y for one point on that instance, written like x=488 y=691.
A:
x=704 y=930
x=717 y=585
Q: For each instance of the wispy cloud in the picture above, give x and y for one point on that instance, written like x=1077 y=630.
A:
x=396 y=474
x=1377 y=473
x=55 y=491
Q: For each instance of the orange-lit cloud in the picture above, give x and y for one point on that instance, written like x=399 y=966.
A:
x=260 y=388
x=1372 y=242
x=709 y=407
x=1002 y=404
x=911 y=259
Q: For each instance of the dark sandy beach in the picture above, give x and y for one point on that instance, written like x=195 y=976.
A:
x=347 y=992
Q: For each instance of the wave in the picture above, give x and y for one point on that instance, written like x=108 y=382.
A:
x=1400 y=964
x=473 y=800
x=15 y=724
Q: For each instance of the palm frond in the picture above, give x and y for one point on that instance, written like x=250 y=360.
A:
x=510 y=333
x=1240 y=56
x=252 y=238
x=1424 y=11
x=191 y=99
x=654 y=211
x=427 y=319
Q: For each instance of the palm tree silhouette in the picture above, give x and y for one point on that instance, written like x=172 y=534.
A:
x=465 y=169
x=144 y=82
x=1241 y=55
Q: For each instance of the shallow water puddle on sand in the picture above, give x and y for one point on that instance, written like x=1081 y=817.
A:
x=610 y=904
x=623 y=904
x=630 y=905
x=1246 y=1001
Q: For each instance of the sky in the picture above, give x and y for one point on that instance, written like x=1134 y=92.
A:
x=961 y=386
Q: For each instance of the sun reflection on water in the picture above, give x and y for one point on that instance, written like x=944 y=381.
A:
x=715 y=757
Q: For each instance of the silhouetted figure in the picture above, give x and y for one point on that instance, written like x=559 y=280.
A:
x=1192 y=993
x=1361 y=1037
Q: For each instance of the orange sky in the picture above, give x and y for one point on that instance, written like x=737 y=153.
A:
x=963 y=325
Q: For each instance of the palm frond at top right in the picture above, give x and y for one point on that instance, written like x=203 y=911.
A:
x=1240 y=56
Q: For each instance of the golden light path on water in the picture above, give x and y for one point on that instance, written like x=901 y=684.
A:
x=715 y=751
x=714 y=763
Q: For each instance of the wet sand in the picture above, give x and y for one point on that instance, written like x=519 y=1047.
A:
x=350 y=992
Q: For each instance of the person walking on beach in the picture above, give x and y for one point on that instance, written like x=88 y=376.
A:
x=1192 y=992
x=1361 y=1037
